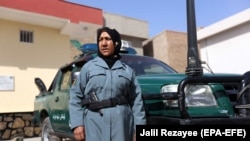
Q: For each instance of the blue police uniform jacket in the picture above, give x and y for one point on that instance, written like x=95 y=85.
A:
x=116 y=123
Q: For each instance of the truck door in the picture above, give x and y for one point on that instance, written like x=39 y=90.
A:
x=60 y=112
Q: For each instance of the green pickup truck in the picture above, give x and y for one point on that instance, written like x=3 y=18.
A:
x=190 y=98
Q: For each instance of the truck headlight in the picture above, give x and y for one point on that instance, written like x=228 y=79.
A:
x=196 y=95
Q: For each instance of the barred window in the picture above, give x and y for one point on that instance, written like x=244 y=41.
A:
x=26 y=36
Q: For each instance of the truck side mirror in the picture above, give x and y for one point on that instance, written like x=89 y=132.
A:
x=40 y=85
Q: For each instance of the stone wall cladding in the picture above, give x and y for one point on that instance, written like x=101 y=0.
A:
x=14 y=125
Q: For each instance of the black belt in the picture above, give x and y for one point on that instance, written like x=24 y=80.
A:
x=111 y=102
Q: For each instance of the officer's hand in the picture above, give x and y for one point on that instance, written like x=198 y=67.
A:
x=134 y=138
x=79 y=133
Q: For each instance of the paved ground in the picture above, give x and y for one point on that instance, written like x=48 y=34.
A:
x=32 y=139
x=29 y=139
x=25 y=139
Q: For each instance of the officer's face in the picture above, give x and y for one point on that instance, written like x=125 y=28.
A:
x=106 y=45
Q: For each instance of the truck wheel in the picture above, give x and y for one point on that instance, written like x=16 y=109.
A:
x=47 y=131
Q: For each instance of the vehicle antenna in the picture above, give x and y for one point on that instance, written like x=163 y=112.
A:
x=194 y=67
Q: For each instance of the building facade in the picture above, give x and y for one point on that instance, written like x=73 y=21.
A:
x=37 y=37
x=169 y=47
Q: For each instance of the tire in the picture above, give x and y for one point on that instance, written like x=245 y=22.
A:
x=47 y=131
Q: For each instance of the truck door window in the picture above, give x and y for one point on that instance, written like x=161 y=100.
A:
x=66 y=79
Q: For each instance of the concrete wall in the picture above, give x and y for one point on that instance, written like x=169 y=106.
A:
x=134 y=30
x=25 y=61
x=225 y=44
x=127 y=25
x=228 y=51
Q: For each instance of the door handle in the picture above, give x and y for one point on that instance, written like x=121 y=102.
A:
x=57 y=99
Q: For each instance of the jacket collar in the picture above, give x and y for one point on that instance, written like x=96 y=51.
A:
x=100 y=62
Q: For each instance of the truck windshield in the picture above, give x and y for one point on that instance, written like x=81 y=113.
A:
x=146 y=65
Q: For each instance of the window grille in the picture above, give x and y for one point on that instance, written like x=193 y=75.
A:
x=26 y=36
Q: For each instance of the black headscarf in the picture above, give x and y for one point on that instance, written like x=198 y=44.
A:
x=116 y=38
